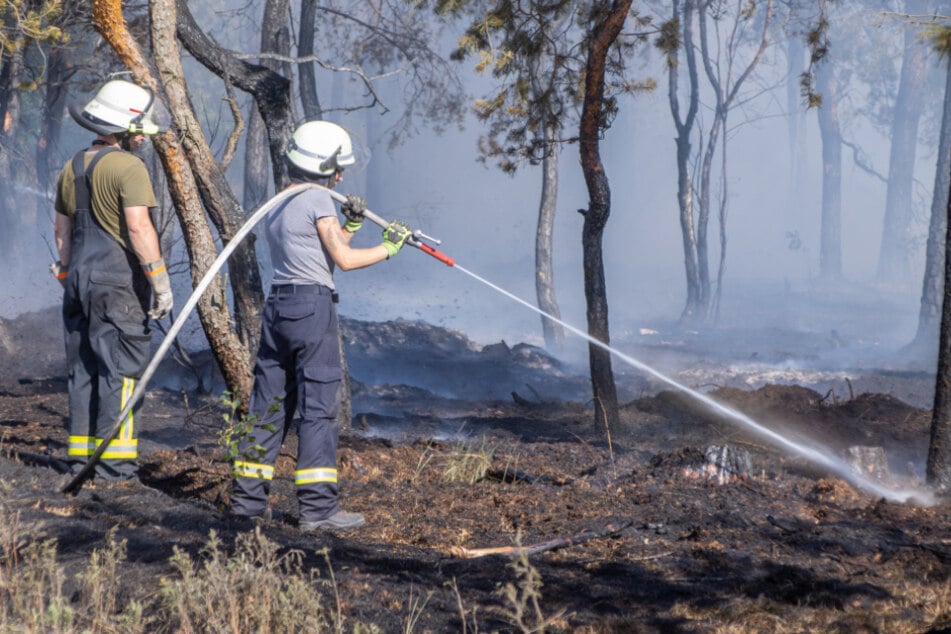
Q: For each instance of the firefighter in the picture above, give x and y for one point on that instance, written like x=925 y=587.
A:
x=112 y=271
x=298 y=362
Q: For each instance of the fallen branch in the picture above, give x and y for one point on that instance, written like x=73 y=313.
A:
x=551 y=544
x=34 y=459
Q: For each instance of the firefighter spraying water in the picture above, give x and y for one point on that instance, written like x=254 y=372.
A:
x=317 y=155
x=319 y=158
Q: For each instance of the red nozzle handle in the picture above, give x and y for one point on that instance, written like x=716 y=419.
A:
x=442 y=257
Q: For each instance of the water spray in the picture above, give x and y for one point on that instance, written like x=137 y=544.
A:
x=815 y=455
x=420 y=241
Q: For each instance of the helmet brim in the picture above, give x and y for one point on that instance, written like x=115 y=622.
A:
x=91 y=124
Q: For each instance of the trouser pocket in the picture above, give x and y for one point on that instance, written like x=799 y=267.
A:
x=319 y=394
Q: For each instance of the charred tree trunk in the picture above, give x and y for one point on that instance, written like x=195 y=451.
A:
x=929 y=316
x=274 y=39
x=305 y=47
x=54 y=107
x=830 y=239
x=893 y=261
x=270 y=90
x=231 y=355
x=603 y=35
x=544 y=274
x=939 y=449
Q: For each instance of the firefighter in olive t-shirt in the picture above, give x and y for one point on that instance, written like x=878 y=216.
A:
x=113 y=275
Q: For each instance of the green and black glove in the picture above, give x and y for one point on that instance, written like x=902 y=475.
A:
x=394 y=236
x=353 y=210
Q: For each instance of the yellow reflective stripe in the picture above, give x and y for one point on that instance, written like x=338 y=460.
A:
x=127 y=427
x=311 y=476
x=253 y=470
x=81 y=446
x=120 y=449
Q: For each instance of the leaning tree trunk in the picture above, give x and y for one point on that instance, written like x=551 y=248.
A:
x=222 y=205
x=830 y=239
x=603 y=35
x=929 y=315
x=231 y=355
x=893 y=263
x=544 y=274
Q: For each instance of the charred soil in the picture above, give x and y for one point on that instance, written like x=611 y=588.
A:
x=636 y=531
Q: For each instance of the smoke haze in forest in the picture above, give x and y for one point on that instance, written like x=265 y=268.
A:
x=486 y=221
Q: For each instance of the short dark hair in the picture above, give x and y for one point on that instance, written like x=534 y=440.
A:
x=302 y=176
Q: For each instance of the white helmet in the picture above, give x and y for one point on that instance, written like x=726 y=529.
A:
x=119 y=106
x=320 y=148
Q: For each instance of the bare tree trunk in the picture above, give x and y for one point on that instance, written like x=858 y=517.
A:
x=893 y=260
x=544 y=274
x=725 y=93
x=929 y=316
x=685 y=192
x=830 y=239
x=231 y=355
x=603 y=35
x=703 y=215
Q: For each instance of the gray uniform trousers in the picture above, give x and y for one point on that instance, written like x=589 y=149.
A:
x=298 y=366
x=107 y=336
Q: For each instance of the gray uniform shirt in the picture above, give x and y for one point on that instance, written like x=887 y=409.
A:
x=297 y=254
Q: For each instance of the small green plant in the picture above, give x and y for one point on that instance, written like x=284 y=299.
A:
x=100 y=588
x=467 y=464
x=32 y=598
x=523 y=597
x=31 y=583
x=253 y=589
x=239 y=429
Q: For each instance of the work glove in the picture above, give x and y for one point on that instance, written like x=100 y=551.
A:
x=158 y=278
x=353 y=210
x=394 y=236
x=60 y=272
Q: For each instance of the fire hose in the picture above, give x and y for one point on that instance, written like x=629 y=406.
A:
x=416 y=239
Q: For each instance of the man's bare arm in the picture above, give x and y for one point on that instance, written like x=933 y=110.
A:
x=142 y=234
x=337 y=243
x=63 y=234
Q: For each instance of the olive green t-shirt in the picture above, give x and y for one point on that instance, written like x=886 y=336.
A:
x=120 y=180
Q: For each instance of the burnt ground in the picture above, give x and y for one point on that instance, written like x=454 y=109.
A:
x=641 y=533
